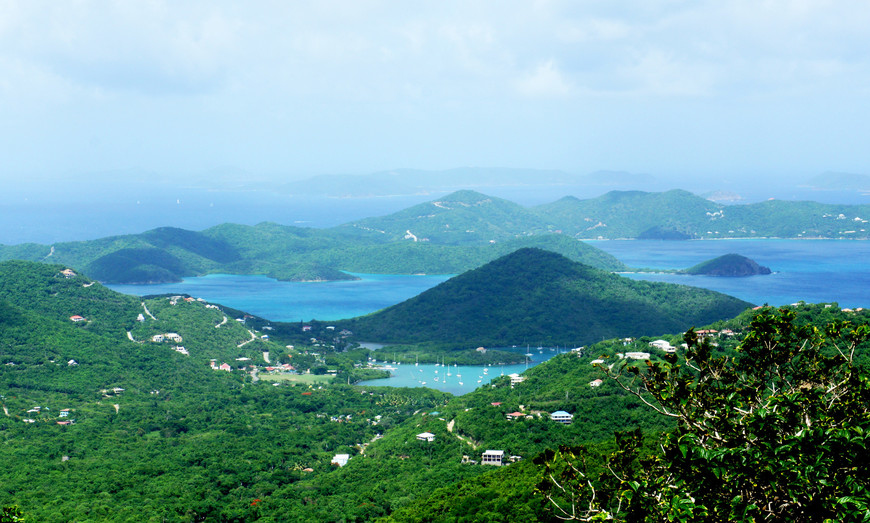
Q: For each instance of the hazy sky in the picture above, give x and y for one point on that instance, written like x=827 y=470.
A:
x=670 y=87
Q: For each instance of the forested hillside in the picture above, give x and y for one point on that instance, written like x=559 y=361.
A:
x=103 y=423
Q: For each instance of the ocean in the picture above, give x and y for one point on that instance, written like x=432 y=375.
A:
x=813 y=271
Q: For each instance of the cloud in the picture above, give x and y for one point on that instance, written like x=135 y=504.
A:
x=544 y=81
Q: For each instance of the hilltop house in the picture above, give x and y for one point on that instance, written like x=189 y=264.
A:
x=76 y=318
x=596 y=383
x=562 y=417
x=492 y=457
x=426 y=436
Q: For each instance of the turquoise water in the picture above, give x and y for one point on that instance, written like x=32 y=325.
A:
x=461 y=378
x=296 y=301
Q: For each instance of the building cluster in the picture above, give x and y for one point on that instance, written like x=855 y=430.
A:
x=35 y=412
x=169 y=336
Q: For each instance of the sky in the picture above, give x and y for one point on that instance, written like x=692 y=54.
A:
x=288 y=89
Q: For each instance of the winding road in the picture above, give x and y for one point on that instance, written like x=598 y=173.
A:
x=253 y=337
x=147 y=312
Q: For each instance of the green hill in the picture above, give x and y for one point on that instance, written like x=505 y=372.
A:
x=535 y=296
x=628 y=214
x=462 y=217
x=678 y=214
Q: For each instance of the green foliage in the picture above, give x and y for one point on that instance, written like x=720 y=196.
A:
x=11 y=515
x=777 y=432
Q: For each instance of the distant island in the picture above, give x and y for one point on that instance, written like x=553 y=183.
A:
x=453 y=234
x=729 y=265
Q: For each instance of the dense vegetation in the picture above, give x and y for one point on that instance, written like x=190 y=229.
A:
x=157 y=435
x=538 y=297
x=776 y=432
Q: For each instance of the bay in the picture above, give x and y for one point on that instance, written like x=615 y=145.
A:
x=296 y=301
x=458 y=379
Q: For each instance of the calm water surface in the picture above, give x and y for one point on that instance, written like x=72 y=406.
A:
x=296 y=301
x=815 y=271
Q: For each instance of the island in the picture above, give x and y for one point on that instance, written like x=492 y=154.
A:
x=730 y=265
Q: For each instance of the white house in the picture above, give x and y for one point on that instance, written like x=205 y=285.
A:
x=426 y=436
x=492 y=457
x=340 y=459
x=516 y=378
x=562 y=417
x=662 y=345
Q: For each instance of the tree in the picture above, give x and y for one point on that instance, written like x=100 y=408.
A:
x=11 y=514
x=778 y=431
